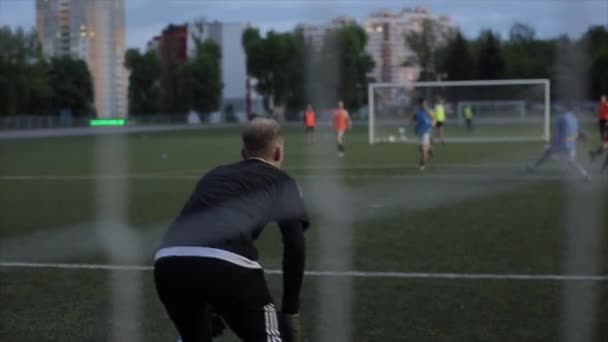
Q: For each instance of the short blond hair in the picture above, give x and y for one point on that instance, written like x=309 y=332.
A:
x=260 y=135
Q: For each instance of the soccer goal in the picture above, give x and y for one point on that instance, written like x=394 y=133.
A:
x=475 y=111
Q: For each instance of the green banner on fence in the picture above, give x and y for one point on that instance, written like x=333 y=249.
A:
x=106 y=122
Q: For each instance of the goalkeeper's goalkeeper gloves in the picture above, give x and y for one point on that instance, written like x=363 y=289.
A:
x=289 y=325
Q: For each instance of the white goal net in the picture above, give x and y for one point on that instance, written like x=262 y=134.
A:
x=475 y=111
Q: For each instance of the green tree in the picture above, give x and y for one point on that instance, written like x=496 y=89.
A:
x=459 y=63
x=595 y=42
x=23 y=74
x=268 y=61
x=596 y=39
x=251 y=41
x=299 y=92
x=521 y=33
x=569 y=79
x=598 y=74
x=343 y=67
x=144 y=81
x=19 y=46
x=526 y=56
x=490 y=61
x=426 y=45
x=290 y=72
x=71 y=85
x=200 y=79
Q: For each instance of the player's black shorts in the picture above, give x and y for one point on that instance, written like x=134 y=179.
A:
x=439 y=124
x=310 y=129
x=603 y=129
x=190 y=287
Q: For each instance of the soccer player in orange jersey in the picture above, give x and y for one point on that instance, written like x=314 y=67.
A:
x=310 y=121
x=603 y=123
x=342 y=123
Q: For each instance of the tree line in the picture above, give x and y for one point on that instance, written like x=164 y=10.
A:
x=30 y=84
x=291 y=71
x=580 y=65
x=162 y=81
x=281 y=63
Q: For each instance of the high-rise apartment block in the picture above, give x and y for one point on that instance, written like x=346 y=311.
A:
x=94 y=31
x=316 y=33
x=386 y=31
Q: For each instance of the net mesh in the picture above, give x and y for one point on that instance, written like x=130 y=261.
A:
x=474 y=111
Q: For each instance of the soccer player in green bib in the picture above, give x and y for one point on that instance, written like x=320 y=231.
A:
x=440 y=118
x=468 y=116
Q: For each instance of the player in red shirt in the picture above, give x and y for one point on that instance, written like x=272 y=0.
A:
x=603 y=123
x=342 y=123
x=310 y=121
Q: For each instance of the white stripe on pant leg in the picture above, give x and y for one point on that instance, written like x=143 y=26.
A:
x=275 y=324
x=275 y=321
x=267 y=323
x=271 y=323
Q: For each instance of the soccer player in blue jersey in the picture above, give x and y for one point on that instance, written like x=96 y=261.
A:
x=563 y=143
x=423 y=125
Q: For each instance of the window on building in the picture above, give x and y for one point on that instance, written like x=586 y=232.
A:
x=385 y=31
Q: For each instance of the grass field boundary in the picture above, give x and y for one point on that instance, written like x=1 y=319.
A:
x=438 y=171
x=198 y=173
x=349 y=274
x=439 y=176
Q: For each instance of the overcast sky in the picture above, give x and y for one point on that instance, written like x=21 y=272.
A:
x=146 y=18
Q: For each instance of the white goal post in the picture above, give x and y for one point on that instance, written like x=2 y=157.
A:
x=503 y=110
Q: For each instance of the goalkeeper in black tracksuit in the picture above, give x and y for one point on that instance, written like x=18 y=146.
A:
x=206 y=271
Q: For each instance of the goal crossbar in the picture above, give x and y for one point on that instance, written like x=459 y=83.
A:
x=463 y=83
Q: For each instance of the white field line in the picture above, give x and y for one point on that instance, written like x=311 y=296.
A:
x=514 y=176
x=198 y=173
x=510 y=171
x=399 y=166
x=352 y=274
x=436 y=172
x=96 y=177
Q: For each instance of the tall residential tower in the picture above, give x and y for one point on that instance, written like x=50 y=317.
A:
x=94 y=31
x=386 y=31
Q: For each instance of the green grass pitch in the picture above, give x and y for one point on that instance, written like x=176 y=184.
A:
x=473 y=211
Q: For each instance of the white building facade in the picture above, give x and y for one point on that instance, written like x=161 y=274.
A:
x=315 y=34
x=228 y=35
x=386 y=31
x=94 y=31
